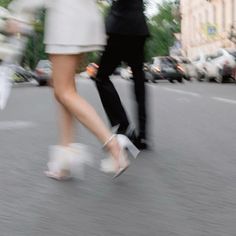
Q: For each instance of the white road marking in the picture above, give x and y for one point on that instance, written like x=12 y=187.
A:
x=17 y=124
x=182 y=92
x=231 y=101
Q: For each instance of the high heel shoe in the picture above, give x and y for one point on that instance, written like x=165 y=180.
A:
x=59 y=165
x=118 y=167
x=67 y=162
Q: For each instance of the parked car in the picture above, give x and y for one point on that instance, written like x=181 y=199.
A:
x=43 y=72
x=219 y=66
x=233 y=75
x=124 y=72
x=189 y=70
x=164 y=68
x=211 y=70
x=232 y=52
x=200 y=66
x=21 y=74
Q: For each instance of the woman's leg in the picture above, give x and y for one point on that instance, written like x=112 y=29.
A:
x=66 y=124
x=64 y=69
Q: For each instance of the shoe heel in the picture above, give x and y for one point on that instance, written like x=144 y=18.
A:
x=126 y=143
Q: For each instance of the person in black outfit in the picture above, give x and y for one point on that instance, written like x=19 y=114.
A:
x=127 y=31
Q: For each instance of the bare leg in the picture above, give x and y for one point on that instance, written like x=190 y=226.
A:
x=64 y=68
x=66 y=124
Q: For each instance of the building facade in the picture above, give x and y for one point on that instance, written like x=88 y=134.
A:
x=207 y=25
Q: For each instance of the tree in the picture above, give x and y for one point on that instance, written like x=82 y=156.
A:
x=162 y=27
x=4 y=3
x=35 y=49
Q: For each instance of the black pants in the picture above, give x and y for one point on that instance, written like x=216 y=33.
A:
x=129 y=49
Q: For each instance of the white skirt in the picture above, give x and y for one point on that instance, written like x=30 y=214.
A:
x=71 y=49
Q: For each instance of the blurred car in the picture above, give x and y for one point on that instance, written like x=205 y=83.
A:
x=43 y=72
x=164 y=68
x=233 y=75
x=149 y=77
x=200 y=66
x=212 y=72
x=124 y=72
x=219 y=66
x=21 y=74
x=189 y=70
x=232 y=51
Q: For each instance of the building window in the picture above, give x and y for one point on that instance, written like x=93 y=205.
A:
x=223 y=15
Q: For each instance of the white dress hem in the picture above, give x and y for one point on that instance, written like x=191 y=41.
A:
x=69 y=49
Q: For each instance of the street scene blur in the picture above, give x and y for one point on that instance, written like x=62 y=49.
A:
x=182 y=183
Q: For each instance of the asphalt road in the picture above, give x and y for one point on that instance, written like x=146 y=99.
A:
x=184 y=186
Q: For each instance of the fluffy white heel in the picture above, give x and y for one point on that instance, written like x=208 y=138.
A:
x=67 y=162
x=109 y=165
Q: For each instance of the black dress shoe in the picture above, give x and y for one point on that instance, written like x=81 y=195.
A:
x=141 y=143
x=132 y=136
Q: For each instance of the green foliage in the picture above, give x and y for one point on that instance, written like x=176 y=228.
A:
x=35 y=49
x=162 y=27
x=4 y=3
x=104 y=8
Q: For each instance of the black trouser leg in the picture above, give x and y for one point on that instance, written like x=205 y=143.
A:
x=113 y=107
x=140 y=94
x=135 y=60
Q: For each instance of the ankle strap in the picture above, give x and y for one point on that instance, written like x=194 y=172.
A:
x=108 y=141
